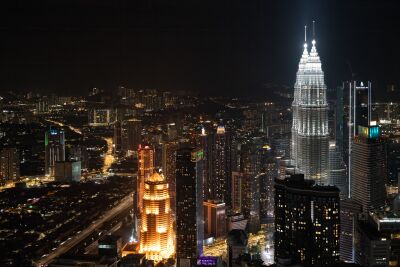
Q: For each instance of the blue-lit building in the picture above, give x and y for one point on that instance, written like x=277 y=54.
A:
x=369 y=173
x=353 y=109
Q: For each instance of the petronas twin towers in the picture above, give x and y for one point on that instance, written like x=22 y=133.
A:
x=310 y=137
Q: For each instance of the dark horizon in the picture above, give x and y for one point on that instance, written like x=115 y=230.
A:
x=226 y=48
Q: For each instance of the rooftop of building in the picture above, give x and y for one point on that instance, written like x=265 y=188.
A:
x=237 y=237
x=214 y=202
x=156 y=177
x=109 y=239
x=297 y=181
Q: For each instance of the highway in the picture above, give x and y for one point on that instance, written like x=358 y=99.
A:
x=93 y=247
x=125 y=204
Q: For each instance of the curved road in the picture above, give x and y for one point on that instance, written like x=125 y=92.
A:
x=126 y=203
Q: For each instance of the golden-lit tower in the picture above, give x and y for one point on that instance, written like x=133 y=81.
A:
x=156 y=234
x=145 y=170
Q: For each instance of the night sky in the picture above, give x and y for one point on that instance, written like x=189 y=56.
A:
x=212 y=46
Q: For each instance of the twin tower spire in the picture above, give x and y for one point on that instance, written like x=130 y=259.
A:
x=310 y=135
x=313 y=42
x=305 y=34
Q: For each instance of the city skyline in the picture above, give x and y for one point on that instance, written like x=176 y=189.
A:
x=171 y=133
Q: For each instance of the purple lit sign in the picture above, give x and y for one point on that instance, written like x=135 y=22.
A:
x=207 y=261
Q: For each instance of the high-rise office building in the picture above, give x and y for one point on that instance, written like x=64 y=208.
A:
x=131 y=134
x=145 y=170
x=349 y=211
x=156 y=233
x=78 y=153
x=189 y=204
x=9 y=164
x=169 y=169
x=237 y=191
x=117 y=138
x=286 y=168
x=205 y=142
x=250 y=165
x=172 y=131
x=214 y=218
x=307 y=222
x=310 y=135
x=337 y=170
x=267 y=178
x=237 y=245
x=222 y=165
x=42 y=106
x=378 y=240
x=353 y=110
x=368 y=163
x=54 y=142
x=67 y=171
x=101 y=116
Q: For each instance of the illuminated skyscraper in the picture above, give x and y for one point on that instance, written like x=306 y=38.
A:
x=237 y=191
x=54 y=143
x=337 y=170
x=189 y=204
x=145 y=170
x=131 y=134
x=156 y=233
x=9 y=164
x=307 y=222
x=250 y=165
x=270 y=173
x=369 y=172
x=214 y=218
x=205 y=142
x=117 y=139
x=222 y=166
x=310 y=135
x=355 y=111
x=169 y=167
x=349 y=212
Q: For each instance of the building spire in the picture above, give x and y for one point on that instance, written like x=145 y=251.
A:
x=305 y=51
x=313 y=30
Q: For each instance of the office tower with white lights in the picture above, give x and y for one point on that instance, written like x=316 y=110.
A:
x=310 y=135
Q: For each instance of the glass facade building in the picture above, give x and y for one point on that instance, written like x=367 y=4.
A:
x=310 y=135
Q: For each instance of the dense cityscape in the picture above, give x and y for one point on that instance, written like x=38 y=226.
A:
x=143 y=177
